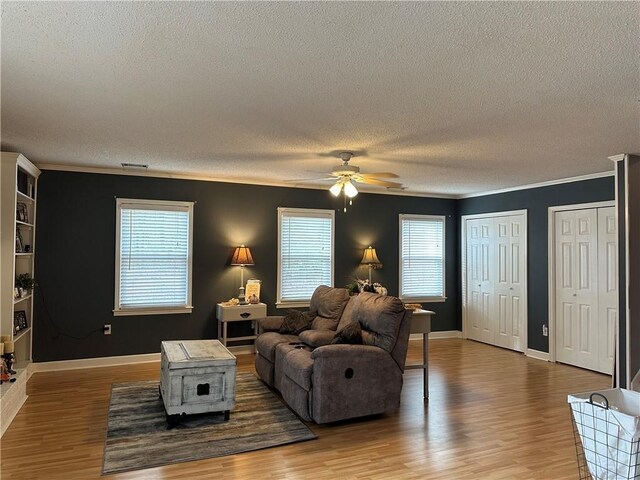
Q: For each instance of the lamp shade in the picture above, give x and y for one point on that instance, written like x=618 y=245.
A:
x=370 y=256
x=242 y=256
x=336 y=188
x=349 y=189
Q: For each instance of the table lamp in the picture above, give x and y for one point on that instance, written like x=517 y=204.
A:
x=242 y=256
x=370 y=258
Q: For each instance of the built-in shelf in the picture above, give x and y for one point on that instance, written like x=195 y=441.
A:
x=21 y=371
x=21 y=299
x=17 y=176
x=21 y=334
x=23 y=197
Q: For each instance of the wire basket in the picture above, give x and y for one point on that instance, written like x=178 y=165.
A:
x=607 y=446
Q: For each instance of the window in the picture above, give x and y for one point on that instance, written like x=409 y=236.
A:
x=305 y=253
x=422 y=257
x=153 y=257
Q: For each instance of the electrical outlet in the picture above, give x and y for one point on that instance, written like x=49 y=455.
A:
x=545 y=331
x=107 y=329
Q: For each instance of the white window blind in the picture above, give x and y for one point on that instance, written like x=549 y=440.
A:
x=305 y=251
x=153 y=261
x=421 y=257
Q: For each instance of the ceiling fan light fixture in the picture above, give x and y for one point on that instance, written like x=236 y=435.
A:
x=349 y=189
x=336 y=188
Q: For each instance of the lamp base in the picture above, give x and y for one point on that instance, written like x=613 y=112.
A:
x=243 y=301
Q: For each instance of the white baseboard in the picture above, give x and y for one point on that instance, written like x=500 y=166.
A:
x=114 y=361
x=537 y=354
x=436 y=335
x=95 y=362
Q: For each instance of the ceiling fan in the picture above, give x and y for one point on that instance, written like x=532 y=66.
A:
x=346 y=175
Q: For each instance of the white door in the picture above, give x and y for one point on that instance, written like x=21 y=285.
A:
x=579 y=320
x=607 y=288
x=509 y=284
x=496 y=280
x=479 y=279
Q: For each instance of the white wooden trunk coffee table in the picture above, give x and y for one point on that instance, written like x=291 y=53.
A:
x=197 y=376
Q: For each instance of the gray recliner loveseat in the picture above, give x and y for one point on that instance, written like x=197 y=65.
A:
x=325 y=382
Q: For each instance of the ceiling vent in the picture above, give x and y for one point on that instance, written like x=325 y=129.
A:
x=134 y=166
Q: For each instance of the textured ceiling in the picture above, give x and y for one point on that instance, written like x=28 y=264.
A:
x=454 y=97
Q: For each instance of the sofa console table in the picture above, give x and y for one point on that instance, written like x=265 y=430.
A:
x=421 y=323
x=239 y=313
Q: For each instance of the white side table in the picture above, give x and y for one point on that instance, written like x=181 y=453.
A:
x=421 y=323
x=239 y=313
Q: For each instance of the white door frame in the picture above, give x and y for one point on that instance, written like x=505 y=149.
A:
x=551 y=271
x=463 y=269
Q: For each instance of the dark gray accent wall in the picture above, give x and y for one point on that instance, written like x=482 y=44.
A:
x=76 y=248
x=537 y=201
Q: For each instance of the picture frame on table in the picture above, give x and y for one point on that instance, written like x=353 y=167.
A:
x=20 y=320
x=252 y=291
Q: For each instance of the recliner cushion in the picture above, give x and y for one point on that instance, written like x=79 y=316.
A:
x=267 y=342
x=329 y=304
x=298 y=366
x=296 y=322
x=380 y=317
x=351 y=334
x=347 y=314
x=316 y=338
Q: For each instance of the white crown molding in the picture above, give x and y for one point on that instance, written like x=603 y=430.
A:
x=560 y=181
x=266 y=183
x=618 y=158
x=210 y=178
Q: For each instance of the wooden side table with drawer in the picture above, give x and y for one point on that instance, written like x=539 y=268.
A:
x=239 y=313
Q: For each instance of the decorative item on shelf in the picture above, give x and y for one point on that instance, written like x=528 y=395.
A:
x=359 y=285
x=252 y=292
x=370 y=258
x=26 y=283
x=232 y=302
x=16 y=293
x=19 y=248
x=20 y=321
x=22 y=214
x=27 y=249
x=8 y=358
x=242 y=256
x=413 y=306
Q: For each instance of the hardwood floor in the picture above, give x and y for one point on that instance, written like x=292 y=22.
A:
x=492 y=414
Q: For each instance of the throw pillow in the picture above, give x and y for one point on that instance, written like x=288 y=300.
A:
x=295 y=322
x=351 y=334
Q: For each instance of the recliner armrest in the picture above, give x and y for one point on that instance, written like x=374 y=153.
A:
x=270 y=323
x=353 y=381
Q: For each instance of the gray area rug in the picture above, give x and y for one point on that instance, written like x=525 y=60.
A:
x=137 y=435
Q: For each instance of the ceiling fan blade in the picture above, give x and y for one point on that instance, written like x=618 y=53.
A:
x=298 y=180
x=379 y=175
x=381 y=183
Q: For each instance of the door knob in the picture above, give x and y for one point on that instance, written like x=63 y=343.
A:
x=575 y=294
x=479 y=284
x=510 y=288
